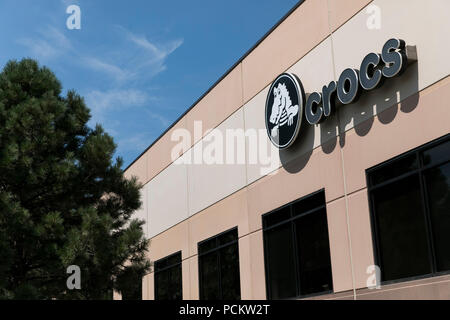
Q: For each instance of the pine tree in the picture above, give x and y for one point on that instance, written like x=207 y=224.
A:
x=64 y=200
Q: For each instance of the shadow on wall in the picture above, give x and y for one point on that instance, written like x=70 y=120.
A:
x=399 y=94
x=295 y=158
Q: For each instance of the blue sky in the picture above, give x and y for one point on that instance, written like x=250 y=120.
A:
x=139 y=64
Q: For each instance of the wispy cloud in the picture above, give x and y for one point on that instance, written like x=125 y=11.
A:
x=156 y=53
x=57 y=37
x=116 y=72
x=39 y=48
x=161 y=119
x=135 y=143
x=146 y=60
x=67 y=3
x=150 y=57
x=125 y=64
x=105 y=105
x=103 y=102
x=49 y=43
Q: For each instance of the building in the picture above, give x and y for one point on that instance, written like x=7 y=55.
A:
x=360 y=190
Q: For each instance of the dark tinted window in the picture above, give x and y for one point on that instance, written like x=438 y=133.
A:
x=207 y=245
x=219 y=267
x=438 y=190
x=229 y=272
x=314 y=250
x=280 y=265
x=394 y=169
x=436 y=154
x=314 y=202
x=168 y=280
x=410 y=207
x=400 y=218
x=209 y=276
x=282 y=215
x=296 y=248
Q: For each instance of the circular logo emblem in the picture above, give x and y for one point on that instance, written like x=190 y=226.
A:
x=284 y=110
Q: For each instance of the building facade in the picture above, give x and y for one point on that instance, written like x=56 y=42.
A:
x=356 y=206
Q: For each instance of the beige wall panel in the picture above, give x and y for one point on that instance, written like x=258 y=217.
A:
x=426 y=119
x=193 y=278
x=145 y=288
x=141 y=214
x=151 y=286
x=306 y=174
x=138 y=169
x=171 y=241
x=342 y=10
x=208 y=183
x=339 y=246
x=410 y=20
x=167 y=199
x=245 y=267
x=346 y=295
x=313 y=79
x=186 y=278
x=159 y=156
x=434 y=288
x=117 y=295
x=221 y=216
x=315 y=69
x=262 y=156
x=257 y=274
x=361 y=234
x=221 y=102
x=306 y=27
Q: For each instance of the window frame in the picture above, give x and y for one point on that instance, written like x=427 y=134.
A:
x=419 y=171
x=167 y=268
x=217 y=250
x=291 y=221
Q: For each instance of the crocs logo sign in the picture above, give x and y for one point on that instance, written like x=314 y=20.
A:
x=286 y=99
x=284 y=110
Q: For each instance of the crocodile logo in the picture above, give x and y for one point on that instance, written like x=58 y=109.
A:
x=284 y=109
